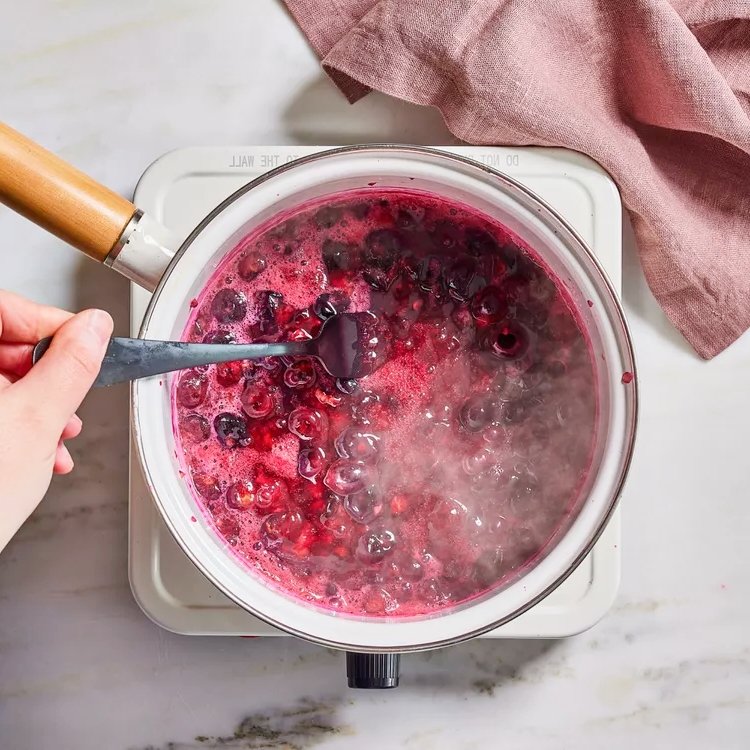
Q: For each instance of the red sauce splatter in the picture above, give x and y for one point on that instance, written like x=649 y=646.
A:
x=627 y=377
x=193 y=303
x=371 y=184
x=590 y=302
x=193 y=519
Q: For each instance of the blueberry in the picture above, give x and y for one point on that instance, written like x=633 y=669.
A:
x=331 y=303
x=345 y=477
x=382 y=248
x=489 y=306
x=347 y=385
x=459 y=278
x=311 y=463
x=229 y=306
x=430 y=272
x=445 y=235
x=219 y=336
x=478 y=242
x=231 y=430
x=327 y=216
x=357 y=444
x=339 y=255
x=268 y=304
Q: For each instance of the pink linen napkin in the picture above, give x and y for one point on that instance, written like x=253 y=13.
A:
x=657 y=92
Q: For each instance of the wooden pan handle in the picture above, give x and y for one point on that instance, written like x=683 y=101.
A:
x=56 y=196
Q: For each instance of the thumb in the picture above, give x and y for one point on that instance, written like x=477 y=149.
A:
x=65 y=373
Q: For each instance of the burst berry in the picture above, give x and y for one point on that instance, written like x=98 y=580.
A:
x=300 y=374
x=229 y=373
x=231 y=430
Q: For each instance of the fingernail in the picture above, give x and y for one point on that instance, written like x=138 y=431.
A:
x=100 y=324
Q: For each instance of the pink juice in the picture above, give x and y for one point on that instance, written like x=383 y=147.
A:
x=434 y=480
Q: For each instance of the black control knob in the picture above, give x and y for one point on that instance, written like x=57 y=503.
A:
x=372 y=671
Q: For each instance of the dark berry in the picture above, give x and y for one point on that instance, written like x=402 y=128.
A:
x=331 y=303
x=251 y=265
x=327 y=216
x=219 y=336
x=339 y=255
x=382 y=248
x=231 y=430
x=229 y=306
x=375 y=545
x=488 y=306
x=347 y=385
x=478 y=242
x=430 y=272
x=312 y=463
x=191 y=389
x=445 y=235
x=459 y=277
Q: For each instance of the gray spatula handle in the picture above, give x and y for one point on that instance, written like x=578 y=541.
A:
x=129 y=359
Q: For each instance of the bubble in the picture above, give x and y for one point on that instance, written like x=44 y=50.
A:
x=476 y=413
x=311 y=463
x=375 y=545
x=345 y=477
x=365 y=505
x=307 y=424
x=357 y=444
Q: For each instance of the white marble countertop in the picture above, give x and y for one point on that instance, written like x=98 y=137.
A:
x=111 y=86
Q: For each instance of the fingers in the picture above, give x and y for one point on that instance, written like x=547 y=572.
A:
x=24 y=321
x=63 y=376
x=72 y=429
x=15 y=358
x=63 y=460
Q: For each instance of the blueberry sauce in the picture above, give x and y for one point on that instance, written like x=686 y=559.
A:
x=436 y=479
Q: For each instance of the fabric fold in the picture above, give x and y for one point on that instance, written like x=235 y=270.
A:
x=658 y=93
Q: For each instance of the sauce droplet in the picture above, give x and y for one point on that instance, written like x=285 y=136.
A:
x=627 y=377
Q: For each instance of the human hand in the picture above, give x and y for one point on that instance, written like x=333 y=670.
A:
x=37 y=406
